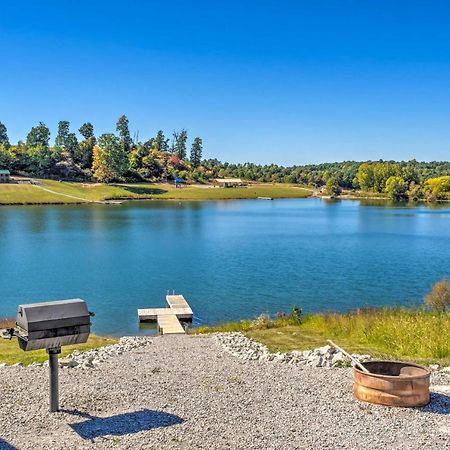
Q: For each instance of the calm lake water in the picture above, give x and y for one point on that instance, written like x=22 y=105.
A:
x=231 y=259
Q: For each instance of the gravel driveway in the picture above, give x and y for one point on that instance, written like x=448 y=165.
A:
x=184 y=392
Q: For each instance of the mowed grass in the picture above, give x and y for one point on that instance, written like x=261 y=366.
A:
x=10 y=353
x=64 y=192
x=250 y=192
x=24 y=194
x=405 y=334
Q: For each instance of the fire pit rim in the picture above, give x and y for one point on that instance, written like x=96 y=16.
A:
x=395 y=377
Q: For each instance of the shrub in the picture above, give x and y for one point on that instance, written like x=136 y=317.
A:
x=295 y=317
x=262 y=322
x=439 y=296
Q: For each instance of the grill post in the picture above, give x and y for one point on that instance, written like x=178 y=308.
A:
x=54 y=381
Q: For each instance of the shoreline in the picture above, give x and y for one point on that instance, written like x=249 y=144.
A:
x=44 y=192
x=119 y=200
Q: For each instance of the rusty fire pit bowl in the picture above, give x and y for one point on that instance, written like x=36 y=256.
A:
x=392 y=383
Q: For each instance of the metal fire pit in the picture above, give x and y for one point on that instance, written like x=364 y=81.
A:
x=392 y=383
x=51 y=325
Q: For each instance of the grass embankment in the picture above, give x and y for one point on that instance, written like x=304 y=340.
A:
x=54 y=192
x=10 y=353
x=406 y=334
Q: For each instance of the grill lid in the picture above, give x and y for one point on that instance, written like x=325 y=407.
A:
x=48 y=315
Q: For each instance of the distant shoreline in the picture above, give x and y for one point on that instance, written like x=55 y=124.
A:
x=54 y=193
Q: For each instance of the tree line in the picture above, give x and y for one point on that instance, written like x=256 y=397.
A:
x=117 y=157
x=106 y=158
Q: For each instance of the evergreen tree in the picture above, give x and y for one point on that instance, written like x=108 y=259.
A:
x=86 y=147
x=124 y=133
x=38 y=136
x=87 y=130
x=179 y=144
x=4 y=140
x=196 y=152
x=63 y=132
x=160 y=142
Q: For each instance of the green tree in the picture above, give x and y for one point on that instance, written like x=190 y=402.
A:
x=63 y=132
x=332 y=186
x=86 y=147
x=160 y=142
x=124 y=133
x=196 y=152
x=38 y=136
x=4 y=140
x=87 y=130
x=6 y=156
x=396 y=188
x=365 y=177
x=40 y=159
x=439 y=296
x=382 y=171
x=436 y=188
x=151 y=167
x=110 y=161
x=66 y=140
x=179 y=144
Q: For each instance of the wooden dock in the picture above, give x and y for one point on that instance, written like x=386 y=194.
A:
x=168 y=319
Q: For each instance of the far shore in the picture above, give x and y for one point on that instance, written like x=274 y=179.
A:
x=50 y=192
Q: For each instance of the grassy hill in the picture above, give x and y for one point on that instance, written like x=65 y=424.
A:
x=54 y=192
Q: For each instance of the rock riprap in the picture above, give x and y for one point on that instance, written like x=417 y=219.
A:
x=91 y=358
x=247 y=349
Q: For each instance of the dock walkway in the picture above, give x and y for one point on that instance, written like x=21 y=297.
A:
x=168 y=319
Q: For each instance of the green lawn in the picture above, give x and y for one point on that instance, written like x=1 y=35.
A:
x=22 y=194
x=64 y=192
x=10 y=352
x=406 y=334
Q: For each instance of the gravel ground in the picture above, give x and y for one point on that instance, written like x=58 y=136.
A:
x=186 y=392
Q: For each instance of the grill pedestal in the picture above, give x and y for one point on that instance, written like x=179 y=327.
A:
x=54 y=377
x=51 y=325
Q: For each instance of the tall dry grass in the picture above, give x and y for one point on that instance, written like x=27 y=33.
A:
x=6 y=322
x=402 y=332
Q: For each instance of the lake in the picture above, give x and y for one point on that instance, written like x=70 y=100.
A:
x=230 y=259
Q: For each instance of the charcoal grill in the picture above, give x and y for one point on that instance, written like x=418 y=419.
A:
x=51 y=325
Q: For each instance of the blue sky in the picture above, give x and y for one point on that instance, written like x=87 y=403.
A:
x=290 y=82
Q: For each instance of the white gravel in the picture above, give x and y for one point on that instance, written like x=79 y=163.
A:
x=186 y=392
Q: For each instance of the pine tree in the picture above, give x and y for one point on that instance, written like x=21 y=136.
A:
x=124 y=133
x=87 y=130
x=63 y=132
x=196 y=152
x=4 y=140
x=86 y=147
x=179 y=144
x=160 y=142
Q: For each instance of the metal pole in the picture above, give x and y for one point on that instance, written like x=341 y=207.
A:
x=54 y=382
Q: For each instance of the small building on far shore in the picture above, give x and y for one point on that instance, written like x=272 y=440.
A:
x=5 y=176
x=229 y=182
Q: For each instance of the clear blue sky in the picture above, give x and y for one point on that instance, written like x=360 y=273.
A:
x=290 y=82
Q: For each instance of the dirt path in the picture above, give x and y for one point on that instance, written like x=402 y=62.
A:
x=64 y=195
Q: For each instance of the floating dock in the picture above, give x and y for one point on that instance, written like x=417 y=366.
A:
x=169 y=319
